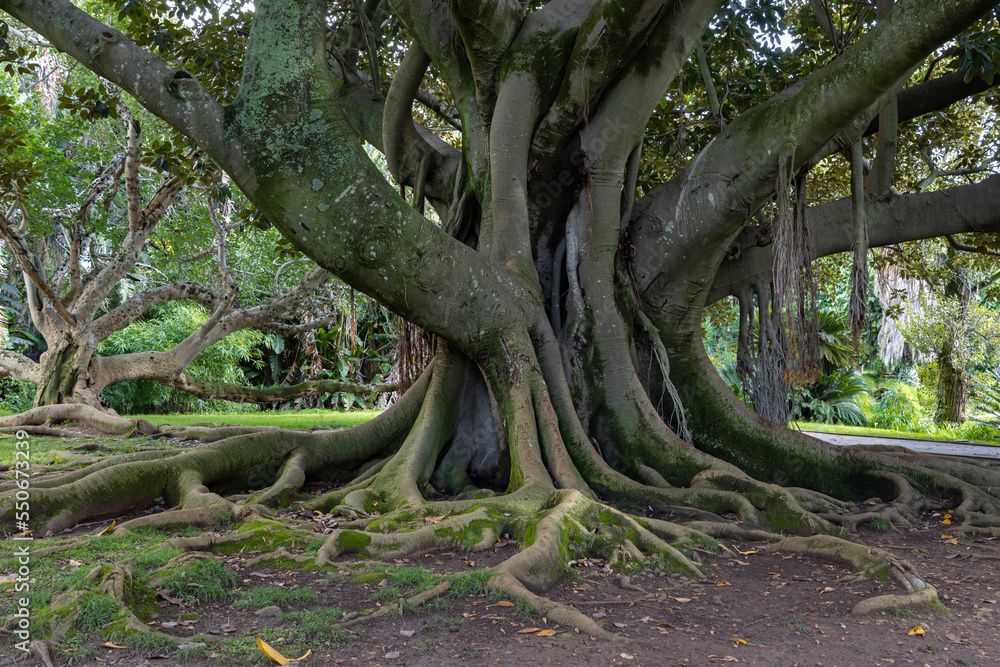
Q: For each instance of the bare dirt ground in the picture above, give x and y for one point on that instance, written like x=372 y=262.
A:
x=761 y=607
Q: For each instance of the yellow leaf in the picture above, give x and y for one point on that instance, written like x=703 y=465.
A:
x=737 y=640
x=947 y=536
x=546 y=633
x=723 y=583
x=108 y=529
x=270 y=652
x=110 y=645
x=527 y=631
x=505 y=603
x=916 y=631
x=746 y=553
x=304 y=656
x=947 y=515
x=954 y=541
x=946 y=522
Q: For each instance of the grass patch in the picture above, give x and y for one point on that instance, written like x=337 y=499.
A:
x=96 y=611
x=470 y=583
x=939 y=434
x=201 y=580
x=307 y=630
x=265 y=596
x=302 y=419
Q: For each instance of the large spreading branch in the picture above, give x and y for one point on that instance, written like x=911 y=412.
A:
x=729 y=181
x=900 y=218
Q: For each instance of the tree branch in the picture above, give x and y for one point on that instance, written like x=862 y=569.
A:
x=19 y=366
x=487 y=27
x=738 y=171
x=238 y=394
x=31 y=267
x=911 y=217
x=173 y=95
x=141 y=303
x=961 y=247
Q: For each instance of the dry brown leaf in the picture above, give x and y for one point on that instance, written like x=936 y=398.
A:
x=110 y=645
x=392 y=655
x=828 y=589
x=407 y=633
x=528 y=631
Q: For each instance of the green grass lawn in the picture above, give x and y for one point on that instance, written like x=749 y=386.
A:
x=939 y=435
x=44 y=451
x=303 y=419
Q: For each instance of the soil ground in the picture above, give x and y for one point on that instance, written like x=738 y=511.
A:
x=761 y=607
x=758 y=607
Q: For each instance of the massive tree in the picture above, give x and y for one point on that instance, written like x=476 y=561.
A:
x=570 y=402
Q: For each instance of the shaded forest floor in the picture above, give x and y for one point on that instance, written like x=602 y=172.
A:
x=760 y=606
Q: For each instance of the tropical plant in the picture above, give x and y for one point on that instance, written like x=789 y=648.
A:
x=841 y=397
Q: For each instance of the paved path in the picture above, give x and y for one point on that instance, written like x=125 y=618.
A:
x=926 y=446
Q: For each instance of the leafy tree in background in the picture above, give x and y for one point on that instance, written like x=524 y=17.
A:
x=99 y=258
x=570 y=402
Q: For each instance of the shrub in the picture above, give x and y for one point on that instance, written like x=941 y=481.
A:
x=899 y=409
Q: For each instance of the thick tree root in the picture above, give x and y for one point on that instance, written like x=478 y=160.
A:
x=562 y=499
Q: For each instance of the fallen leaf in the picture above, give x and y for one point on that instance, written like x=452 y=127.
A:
x=407 y=633
x=108 y=529
x=955 y=542
x=228 y=628
x=723 y=583
x=828 y=589
x=392 y=655
x=682 y=599
x=947 y=536
x=746 y=553
x=507 y=603
x=110 y=645
x=75 y=563
x=165 y=594
x=169 y=624
x=990 y=601
x=528 y=631
x=737 y=640
x=546 y=633
x=916 y=631
x=626 y=656
x=946 y=522
x=621 y=625
x=727 y=658
x=274 y=655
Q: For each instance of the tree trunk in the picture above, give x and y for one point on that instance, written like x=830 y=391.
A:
x=64 y=373
x=952 y=390
x=574 y=309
